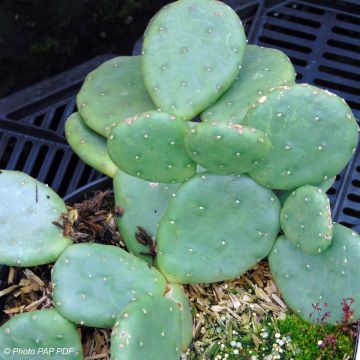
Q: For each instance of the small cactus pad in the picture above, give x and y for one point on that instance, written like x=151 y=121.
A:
x=151 y=146
x=324 y=186
x=313 y=133
x=306 y=219
x=112 y=93
x=44 y=333
x=226 y=148
x=192 y=53
x=88 y=145
x=189 y=230
x=261 y=70
x=176 y=293
x=326 y=279
x=27 y=235
x=93 y=283
x=140 y=204
x=149 y=328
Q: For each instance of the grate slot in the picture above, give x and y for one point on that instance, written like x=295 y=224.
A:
x=301 y=45
x=277 y=21
x=291 y=32
x=295 y=19
x=305 y=9
x=288 y=45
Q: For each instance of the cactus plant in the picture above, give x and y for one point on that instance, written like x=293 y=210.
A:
x=262 y=69
x=306 y=280
x=176 y=293
x=192 y=53
x=306 y=219
x=93 y=283
x=27 y=235
x=112 y=93
x=307 y=127
x=88 y=145
x=149 y=328
x=226 y=148
x=38 y=335
x=151 y=146
x=142 y=205
x=191 y=248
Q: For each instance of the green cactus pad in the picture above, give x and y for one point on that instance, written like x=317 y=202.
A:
x=261 y=70
x=306 y=219
x=143 y=203
x=42 y=334
x=151 y=146
x=226 y=148
x=313 y=133
x=113 y=92
x=191 y=54
x=93 y=283
x=324 y=186
x=176 y=293
x=305 y=280
x=27 y=235
x=149 y=328
x=189 y=230
x=88 y=145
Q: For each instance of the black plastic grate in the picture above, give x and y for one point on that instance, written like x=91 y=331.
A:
x=322 y=39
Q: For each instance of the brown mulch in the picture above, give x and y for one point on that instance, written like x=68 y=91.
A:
x=245 y=300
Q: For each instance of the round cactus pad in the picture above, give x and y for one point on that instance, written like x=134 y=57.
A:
x=226 y=148
x=93 y=283
x=112 y=93
x=88 y=145
x=326 y=279
x=149 y=328
x=192 y=53
x=313 y=133
x=142 y=204
x=189 y=230
x=27 y=235
x=261 y=70
x=151 y=146
x=176 y=293
x=306 y=219
x=44 y=333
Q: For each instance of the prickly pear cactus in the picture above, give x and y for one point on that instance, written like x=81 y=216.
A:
x=112 y=93
x=324 y=186
x=151 y=146
x=189 y=229
x=306 y=280
x=226 y=148
x=313 y=133
x=44 y=333
x=88 y=145
x=28 y=208
x=261 y=70
x=192 y=53
x=176 y=293
x=306 y=219
x=141 y=204
x=93 y=283
x=149 y=328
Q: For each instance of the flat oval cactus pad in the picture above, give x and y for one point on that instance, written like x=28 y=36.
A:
x=191 y=54
x=313 y=133
x=226 y=148
x=191 y=249
x=306 y=219
x=151 y=147
x=261 y=70
x=27 y=235
x=45 y=333
x=88 y=145
x=324 y=280
x=93 y=283
x=149 y=328
x=112 y=93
